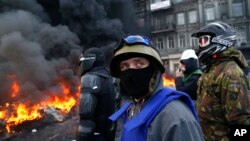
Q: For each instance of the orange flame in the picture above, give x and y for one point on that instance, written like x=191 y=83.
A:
x=15 y=89
x=168 y=81
x=22 y=114
x=2 y=114
x=17 y=113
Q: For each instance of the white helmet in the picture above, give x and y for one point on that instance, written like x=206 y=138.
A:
x=187 y=54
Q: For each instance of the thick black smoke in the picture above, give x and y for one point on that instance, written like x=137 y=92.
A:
x=35 y=55
x=96 y=22
x=41 y=40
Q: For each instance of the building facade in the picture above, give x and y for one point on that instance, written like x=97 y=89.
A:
x=173 y=21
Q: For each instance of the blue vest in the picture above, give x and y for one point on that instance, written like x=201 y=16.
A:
x=136 y=128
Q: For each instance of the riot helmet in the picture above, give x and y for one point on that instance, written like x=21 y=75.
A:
x=133 y=46
x=214 y=38
x=92 y=57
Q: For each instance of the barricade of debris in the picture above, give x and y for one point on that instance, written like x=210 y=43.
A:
x=52 y=127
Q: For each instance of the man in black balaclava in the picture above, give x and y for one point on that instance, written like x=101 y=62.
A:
x=154 y=112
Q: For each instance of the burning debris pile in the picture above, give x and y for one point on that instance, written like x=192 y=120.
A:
x=53 y=126
x=37 y=70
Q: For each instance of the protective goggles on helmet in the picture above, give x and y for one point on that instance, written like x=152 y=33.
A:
x=204 y=40
x=133 y=40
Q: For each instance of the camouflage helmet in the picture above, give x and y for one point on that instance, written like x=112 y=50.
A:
x=134 y=46
x=214 y=38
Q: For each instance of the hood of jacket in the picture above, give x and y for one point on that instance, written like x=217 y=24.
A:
x=230 y=54
x=236 y=55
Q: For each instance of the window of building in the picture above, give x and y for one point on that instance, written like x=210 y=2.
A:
x=223 y=11
x=170 y=41
x=180 y=19
x=169 y=19
x=157 y=21
x=159 y=43
x=241 y=35
x=210 y=13
x=182 y=41
x=238 y=9
x=192 y=16
x=193 y=42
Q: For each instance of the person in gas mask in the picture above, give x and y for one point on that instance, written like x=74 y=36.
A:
x=97 y=99
x=153 y=112
x=223 y=100
x=188 y=73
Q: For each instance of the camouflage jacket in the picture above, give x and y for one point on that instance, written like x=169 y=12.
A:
x=223 y=95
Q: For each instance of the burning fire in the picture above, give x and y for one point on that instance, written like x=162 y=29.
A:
x=16 y=113
x=168 y=81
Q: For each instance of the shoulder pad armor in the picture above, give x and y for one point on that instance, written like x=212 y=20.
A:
x=91 y=82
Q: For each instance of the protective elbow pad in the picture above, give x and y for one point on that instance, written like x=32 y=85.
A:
x=87 y=105
x=90 y=87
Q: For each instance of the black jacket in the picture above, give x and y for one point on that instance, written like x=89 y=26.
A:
x=188 y=83
x=97 y=103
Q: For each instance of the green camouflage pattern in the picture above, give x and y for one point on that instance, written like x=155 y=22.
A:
x=223 y=96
